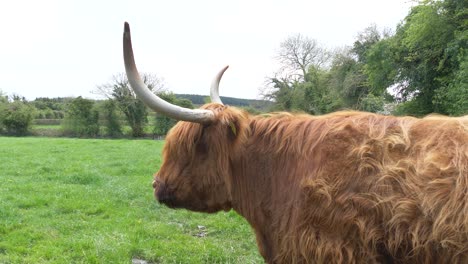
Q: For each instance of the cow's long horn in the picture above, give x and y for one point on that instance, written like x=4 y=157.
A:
x=214 y=90
x=149 y=98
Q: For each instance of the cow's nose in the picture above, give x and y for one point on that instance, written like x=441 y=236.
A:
x=163 y=194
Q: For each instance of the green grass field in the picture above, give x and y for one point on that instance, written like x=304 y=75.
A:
x=91 y=201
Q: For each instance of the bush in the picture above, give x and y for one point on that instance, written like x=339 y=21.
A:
x=111 y=119
x=3 y=107
x=414 y=107
x=372 y=103
x=17 y=118
x=162 y=123
x=81 y=120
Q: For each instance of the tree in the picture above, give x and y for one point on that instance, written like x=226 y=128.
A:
x=372 y=103
x=347 y=79
x=423 y=66
x=366 y=39
x=162 y=123
x=379 y=67
x=359 y=76
x=111 y=119
x=17 y=117
x=452 y=97
x=50 y=108
x=430 y=51
x=297 y=53
x=350 y=83
x=119 y=90
x=3 y=108
x=281 y=92
x=81 y=119
x=315 y=97
x=299 y=83
x=308 y=82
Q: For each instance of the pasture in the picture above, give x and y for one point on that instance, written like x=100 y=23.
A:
x=91 y=201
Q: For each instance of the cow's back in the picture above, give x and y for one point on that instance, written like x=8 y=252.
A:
x=382 y=188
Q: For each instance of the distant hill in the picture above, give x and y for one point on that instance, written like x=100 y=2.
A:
x=259 y=105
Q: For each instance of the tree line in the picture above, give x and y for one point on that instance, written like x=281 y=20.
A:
x=120 y=115
x=419 y=69
x=81 y=117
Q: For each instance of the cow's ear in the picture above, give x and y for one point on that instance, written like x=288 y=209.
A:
x=233 y=128
x=237 y=129
x=235 y=124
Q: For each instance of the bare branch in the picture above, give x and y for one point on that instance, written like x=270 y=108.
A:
x=120 y=82
x=297 y=53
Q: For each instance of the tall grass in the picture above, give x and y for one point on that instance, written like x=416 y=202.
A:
x=91 y=201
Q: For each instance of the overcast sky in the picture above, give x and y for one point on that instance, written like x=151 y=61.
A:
x=57 y=48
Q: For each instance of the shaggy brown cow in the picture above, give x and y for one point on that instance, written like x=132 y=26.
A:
x=347 y=187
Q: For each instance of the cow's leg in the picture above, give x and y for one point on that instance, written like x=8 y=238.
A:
x=264 y=246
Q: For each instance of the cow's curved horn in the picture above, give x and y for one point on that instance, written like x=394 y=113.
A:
x=214 y=90
x=150 y=99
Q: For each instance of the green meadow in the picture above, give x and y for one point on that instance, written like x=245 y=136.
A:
x=90 y=201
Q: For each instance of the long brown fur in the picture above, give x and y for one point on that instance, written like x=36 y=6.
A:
x=347 y=187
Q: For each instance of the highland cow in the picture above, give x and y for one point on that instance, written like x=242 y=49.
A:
x=347 y=187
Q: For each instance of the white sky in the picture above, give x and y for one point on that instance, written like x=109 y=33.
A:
x=57 y=48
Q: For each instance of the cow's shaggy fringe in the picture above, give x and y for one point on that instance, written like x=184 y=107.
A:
x=347 y=187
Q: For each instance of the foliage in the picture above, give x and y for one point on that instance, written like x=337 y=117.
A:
x=297 y=54
x=344 y=84
x=162 y=123
x=372 y=103
x=251 y=110
x=91 y=201
x=81 y=119
x=3 y=108
x=423 y=66
x=453 y=98
x=300 y=83
x=258 y=105
x=50 y=108
x=16 y=117
x=359 y=86
x=194 y=98
x=347 y=79
x=379 y=69
x=309 y=96
x=111 y=119
x=315 y=98
x=430 y=48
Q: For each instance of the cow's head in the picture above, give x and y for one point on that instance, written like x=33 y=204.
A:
x=199 y=150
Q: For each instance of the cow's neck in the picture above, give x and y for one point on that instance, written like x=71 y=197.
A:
x=261 y=181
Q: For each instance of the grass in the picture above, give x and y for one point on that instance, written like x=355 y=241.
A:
x=57 y=130
x=90 y=201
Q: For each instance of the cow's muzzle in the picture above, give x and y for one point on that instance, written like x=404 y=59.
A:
x=163 y=194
